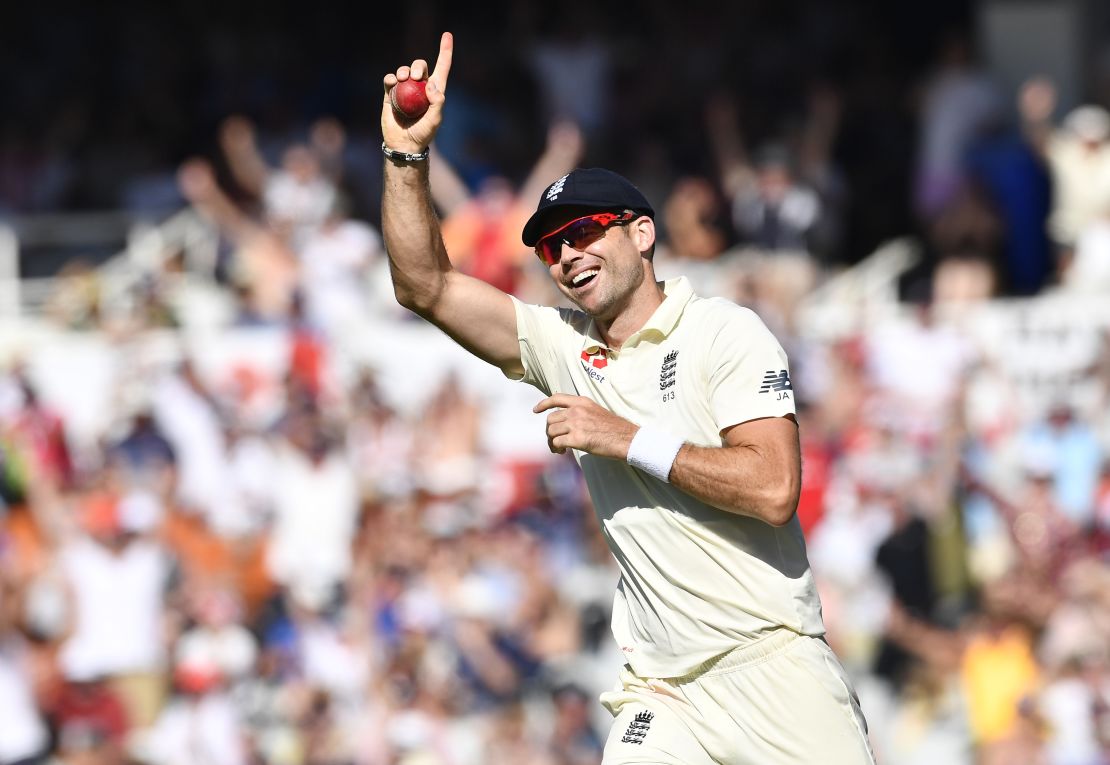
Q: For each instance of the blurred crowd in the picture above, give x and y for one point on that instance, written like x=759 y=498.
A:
x=287 y=562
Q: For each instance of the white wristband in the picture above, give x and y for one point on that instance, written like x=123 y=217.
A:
x=654 y=452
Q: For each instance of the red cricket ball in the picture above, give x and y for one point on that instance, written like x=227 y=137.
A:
x=409 y=98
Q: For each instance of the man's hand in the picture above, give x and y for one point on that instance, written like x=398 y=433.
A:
x=414 y=136
x=579 y=423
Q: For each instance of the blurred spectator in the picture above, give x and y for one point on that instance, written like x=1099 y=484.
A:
x=1065 y=705
x=509 y=739
x=783 y=202
x=1067 y=449
x=967 y=237
x=1078 y=156
x=91 y=723
x=264 y=265
x=692 y=215
x=201 y=722
x=573 y=740
x=572 y=68
x=299 y=196
x=482 y=231
x=75 y=301
x=916 y=365
x=1000 y=673
x=23 y=736
x=315 y=509
x=379 y=441
x=37 y=433
x=196 y=727
x=144 y=457
x=446 y=444
x=335 y=265
x=262 y=548
x=118 y=575
x=1012 y=176
x=958 y=104
x=773 y=206
x=185 y=412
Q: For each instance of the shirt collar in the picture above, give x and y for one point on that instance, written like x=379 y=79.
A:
x=677 y=293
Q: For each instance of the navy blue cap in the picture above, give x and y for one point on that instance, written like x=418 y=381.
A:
x=594 y=188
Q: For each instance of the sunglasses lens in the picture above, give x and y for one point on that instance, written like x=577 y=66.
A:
x=583 y=233
x=579 y=234
x=548 y=250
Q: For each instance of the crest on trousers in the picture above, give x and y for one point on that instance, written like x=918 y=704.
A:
x=638 y=728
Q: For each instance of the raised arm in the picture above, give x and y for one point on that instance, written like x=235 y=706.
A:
x=198 y=185
x=245 y=161
x=727 y=142
x=560 y=155
x=478 y=316
x=328 y=139
x=448 y=190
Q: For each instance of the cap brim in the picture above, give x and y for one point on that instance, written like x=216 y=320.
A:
x=541 y=221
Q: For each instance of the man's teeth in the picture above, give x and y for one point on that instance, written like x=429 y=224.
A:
x=586 y=275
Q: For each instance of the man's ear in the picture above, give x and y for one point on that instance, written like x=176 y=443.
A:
x=642 y=231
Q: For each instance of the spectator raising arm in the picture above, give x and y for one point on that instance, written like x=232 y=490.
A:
x=198 y=185
x=237 y=140
x=561 y=153
x=727 y=141
x=449 y=192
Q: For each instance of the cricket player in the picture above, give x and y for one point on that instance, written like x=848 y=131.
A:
x=680 y=413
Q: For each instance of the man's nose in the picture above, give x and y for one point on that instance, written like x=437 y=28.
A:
x=567 y=253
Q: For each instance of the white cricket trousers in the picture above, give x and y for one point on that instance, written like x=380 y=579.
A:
x=784 y=699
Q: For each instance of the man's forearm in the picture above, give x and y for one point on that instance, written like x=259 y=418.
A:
x=756 y=473
x=748 y=480
x=417 y=258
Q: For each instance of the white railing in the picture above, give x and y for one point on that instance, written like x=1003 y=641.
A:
x=1044 y=347
x=149 y=245
x=9 y=274
x=862 y=294
x=147 y=248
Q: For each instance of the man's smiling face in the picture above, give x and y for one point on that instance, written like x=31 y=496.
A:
x=601 y=277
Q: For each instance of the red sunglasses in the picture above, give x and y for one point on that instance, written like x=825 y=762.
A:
x=579 y=234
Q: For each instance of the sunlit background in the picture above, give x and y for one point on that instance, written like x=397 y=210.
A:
x=254 y=512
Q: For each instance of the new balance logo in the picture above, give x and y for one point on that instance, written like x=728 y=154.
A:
x=638 y=728
x=555 y=189
x=778 y=382
x=667 y=372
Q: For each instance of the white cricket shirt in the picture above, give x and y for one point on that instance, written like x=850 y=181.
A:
x=696 y=581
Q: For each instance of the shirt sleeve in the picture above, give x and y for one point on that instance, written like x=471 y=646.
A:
x=540 y=331
x=749 y=376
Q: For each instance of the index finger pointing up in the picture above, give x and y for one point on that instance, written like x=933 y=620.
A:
x=443 y=61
